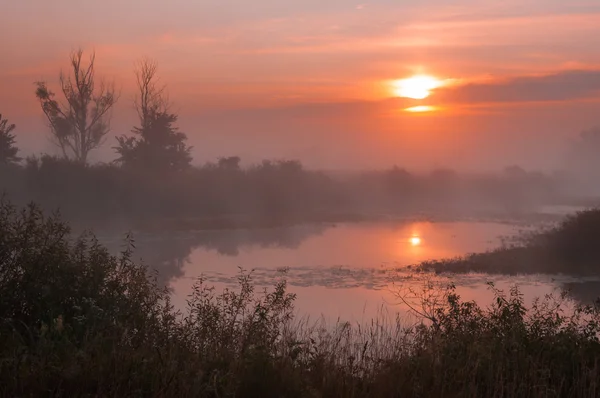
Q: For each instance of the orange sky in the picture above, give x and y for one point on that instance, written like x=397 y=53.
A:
x=310 y=79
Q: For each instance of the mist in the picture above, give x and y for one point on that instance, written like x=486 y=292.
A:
x=356 y=136
x=224 y=198
x=289 y=164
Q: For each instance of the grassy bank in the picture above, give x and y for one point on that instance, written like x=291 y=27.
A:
x=570 y=247
x=76 y=321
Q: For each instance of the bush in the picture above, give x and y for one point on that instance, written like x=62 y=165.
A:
x=78 y=321
x=69 y=310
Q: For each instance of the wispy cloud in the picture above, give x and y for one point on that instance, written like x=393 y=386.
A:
x=562 y=86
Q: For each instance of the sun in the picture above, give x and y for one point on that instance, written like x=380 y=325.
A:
x=415 y=241
x=416 y=87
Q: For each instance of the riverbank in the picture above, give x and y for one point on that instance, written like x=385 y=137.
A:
x=568 y=247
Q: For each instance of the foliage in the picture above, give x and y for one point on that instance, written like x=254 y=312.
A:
x=216 y=195
x=161 y=147
x=80 y=125
x=76 y=321
x=507 y=349
x=226 y=194
x=8 y=149
x=158 y=145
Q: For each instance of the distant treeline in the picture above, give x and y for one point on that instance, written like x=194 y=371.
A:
x=223 y=194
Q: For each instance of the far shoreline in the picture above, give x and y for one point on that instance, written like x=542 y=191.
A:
x=252 y=222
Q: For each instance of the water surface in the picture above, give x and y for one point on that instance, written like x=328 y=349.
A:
x=348 y=271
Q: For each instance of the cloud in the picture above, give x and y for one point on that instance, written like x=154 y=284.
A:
x=560 y=86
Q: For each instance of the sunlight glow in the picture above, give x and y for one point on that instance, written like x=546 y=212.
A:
x=416 y=87
x=415 y=241
x=421 y=108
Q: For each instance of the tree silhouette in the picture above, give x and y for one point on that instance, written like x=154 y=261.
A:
x=151 y=98
x=8 y=149
x=79 y=125
x=158 y=145
x=229 y=163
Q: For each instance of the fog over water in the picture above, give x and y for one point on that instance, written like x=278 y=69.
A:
x=346 y=270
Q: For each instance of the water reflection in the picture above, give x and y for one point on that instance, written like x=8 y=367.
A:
x=348 y=270
x=169 y=253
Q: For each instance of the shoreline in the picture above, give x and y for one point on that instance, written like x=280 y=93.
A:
x=248 y=222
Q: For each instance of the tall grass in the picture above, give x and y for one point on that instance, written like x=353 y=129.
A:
x=76 y=321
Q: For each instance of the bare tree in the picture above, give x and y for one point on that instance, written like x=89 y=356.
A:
x=81 y=124
x=151 y=98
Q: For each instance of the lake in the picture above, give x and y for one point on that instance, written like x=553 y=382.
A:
x=344 y=271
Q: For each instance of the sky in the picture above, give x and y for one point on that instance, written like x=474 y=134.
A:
x=314 y=80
